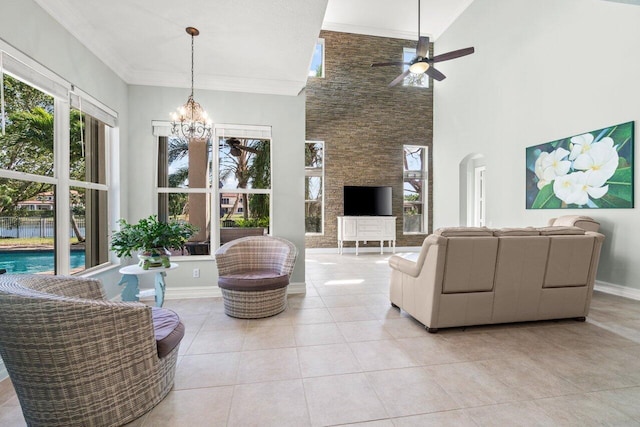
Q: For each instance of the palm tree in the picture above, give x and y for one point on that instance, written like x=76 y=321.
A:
x=28 y=145
x=248 y=161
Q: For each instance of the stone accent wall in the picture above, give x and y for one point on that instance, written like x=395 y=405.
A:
x=365 y=124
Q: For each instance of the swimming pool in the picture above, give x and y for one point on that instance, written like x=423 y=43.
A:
x=35 y=261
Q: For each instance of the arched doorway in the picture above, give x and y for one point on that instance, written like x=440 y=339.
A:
x=473 y=190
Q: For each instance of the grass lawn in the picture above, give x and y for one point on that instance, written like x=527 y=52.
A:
x=30 y=242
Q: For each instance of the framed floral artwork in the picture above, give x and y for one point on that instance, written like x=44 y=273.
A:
x=590 y=170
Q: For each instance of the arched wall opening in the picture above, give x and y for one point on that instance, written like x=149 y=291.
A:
x=472 y=189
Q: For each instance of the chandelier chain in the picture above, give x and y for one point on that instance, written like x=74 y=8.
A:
x=192 y=65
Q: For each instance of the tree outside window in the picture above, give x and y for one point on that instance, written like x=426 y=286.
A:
x=314 y=187
x=415 y=217
x=192 y=177
x=29 y=202
x=245 y=178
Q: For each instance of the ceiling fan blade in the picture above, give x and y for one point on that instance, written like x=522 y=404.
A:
x=423 y=47
x=435 y=74
x=453 y=54
x=399 y=78
x=384 y=64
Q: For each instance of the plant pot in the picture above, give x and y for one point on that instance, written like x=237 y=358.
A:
x=152 y=258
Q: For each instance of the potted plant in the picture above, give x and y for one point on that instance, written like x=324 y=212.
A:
x=151 y=238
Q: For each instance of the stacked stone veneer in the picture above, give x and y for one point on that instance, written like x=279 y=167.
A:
x=364 y=125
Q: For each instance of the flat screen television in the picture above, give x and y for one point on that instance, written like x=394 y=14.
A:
x=367 y=201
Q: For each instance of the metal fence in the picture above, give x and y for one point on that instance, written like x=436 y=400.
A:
x=26 y=227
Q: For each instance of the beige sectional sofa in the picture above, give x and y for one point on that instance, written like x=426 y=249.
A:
x=474 y=276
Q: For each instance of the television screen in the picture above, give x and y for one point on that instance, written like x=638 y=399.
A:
x=367 y=201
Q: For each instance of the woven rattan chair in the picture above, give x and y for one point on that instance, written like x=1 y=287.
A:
x=76 y=359
x=253 y=275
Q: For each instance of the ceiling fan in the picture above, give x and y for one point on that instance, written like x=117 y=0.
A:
x=421 y=64
x=236 y=146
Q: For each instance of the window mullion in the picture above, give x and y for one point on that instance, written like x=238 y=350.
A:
x=61 y=172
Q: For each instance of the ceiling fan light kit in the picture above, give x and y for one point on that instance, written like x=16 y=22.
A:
x=191 y=121
x=421 y=64
x=419 y=67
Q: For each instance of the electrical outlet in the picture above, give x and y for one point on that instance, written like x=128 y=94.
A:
x=196 y=272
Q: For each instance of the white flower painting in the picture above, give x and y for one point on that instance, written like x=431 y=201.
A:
x=591 y=170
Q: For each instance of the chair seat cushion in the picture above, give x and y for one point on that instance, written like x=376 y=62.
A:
x=254 y=280
x=168 y=330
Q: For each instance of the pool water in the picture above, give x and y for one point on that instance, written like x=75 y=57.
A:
x=35 y=261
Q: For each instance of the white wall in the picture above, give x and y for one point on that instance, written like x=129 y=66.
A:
x=286 y=116
x=543 y=70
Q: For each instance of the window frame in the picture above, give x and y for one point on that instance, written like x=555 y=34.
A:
x=30 y=72
x=309 y=172
x=424 y=175
x=426 y=79
x=320 y=42
x=162 y=129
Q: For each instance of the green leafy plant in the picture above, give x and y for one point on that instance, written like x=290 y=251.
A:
x=150 y=233
x=253 y=222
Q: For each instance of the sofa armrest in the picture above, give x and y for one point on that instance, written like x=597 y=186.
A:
x=413 y=268
x=405 y=265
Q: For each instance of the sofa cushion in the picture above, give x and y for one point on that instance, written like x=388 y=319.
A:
x=463 y=231
x=168 y=330
x=470 y=264
x=525 y=231
x=254 y=280
x=569 y=262
x=558 y=230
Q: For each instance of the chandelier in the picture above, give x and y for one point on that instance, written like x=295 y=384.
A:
x=191 y=121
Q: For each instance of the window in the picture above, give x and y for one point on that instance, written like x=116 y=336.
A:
x=317 y=62
x=415 y=212
x=244 y=172
x=233 y=168
x=314 y=187
x=185 y=192
x=53 y=174
x=416 y=80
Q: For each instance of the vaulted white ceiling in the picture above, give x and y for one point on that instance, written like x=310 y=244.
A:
x=260 y=46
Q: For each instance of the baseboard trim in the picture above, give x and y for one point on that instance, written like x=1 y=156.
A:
x=214 y=291
x=622 y=291
x=368 y=249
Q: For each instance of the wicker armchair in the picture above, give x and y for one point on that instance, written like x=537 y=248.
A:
x=76 y=359
x=253 y=275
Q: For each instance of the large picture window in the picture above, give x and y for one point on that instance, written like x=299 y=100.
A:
x=227 y=177
x=54 y=191
x=314 y=187
x=415 y=188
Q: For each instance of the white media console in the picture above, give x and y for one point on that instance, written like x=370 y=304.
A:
x=367 y=228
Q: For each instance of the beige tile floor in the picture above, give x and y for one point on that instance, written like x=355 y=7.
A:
x=340 y=355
